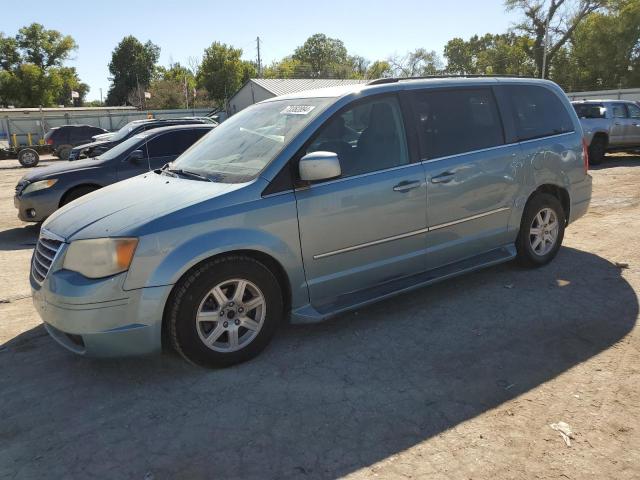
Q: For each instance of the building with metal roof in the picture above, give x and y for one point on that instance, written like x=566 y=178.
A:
x=258 y=89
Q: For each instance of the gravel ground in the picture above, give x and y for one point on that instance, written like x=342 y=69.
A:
x=455 y=381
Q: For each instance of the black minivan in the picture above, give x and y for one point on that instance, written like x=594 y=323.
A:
x=44 y=190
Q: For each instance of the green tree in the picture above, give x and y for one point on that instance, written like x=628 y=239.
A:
x=379 y=69
x=44 y=48
x=223 y=71
x=132 y=66
x=562 y=18
x=288 y=67
x=490 y=54
x=322 y=56
x=418 y=63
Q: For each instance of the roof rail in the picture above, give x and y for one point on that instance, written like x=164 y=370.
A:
x=381 y=81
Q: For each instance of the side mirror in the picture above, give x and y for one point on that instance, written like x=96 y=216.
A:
x=319 y=166
x=136 y=156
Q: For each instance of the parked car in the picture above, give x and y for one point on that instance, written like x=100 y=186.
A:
x=43 y=191
x=63 y=139
x=100 y=146
x=281 y=213
x=609 y=126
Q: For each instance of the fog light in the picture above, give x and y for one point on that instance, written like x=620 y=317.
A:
x=31 y=212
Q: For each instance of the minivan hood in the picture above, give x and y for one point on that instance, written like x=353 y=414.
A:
x=113 y=209
x=62 y=166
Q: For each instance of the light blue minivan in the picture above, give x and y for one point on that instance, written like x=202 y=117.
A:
x=309 y=205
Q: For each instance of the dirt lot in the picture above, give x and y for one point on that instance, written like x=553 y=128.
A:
x=456 y=381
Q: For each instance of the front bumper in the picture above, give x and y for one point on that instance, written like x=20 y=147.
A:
x=43 y=203
x=98 y=317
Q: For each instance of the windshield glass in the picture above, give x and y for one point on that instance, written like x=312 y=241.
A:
x=239 y=148
x=589 y=110
x=124 y=131
x=119 y=149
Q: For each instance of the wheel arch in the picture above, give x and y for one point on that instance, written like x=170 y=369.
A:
x=66 y=194
x=267 y=260
x=557 y=191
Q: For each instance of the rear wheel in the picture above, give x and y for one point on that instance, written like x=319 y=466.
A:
x=28 y=157
x=541 y=230
x=225 y=312
x=597 y=149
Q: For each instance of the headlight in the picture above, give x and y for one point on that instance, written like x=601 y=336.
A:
x=100 y=257
x=41 y=185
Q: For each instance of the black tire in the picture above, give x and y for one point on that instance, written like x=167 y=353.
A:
x=64 y=151
x=526 y=254
x=75 y=193
x=193 y=288
x=28 y=157
x=597 y=150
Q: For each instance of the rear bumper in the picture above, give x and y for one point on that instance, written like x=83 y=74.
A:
x=580 y=198
x=97 y=318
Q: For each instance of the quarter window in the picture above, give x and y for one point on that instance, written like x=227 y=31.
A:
x=451 y=122
x=537 y=112
x=367 y=137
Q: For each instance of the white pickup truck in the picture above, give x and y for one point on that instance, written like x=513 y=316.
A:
x=609 y=126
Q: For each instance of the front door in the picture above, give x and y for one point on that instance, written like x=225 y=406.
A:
x=618 y=132
x=368 y=226
x=633 y=127
x=472 y=175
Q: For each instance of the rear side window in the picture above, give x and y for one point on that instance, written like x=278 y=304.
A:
x=451 y=122
x=537 y=112
x=589 y=110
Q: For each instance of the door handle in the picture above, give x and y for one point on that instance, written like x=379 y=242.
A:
x=443 y=177
x=616 y=123
x=407 y=185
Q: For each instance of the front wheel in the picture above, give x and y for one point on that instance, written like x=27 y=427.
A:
x=541 y=230
x=597 y=150
x=225 y=311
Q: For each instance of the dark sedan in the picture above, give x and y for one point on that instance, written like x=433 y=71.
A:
x=98 y=147
x=44 y=190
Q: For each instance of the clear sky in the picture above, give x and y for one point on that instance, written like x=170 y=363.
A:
x=374 y=29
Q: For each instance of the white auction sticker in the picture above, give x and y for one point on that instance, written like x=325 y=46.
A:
x=297 y=109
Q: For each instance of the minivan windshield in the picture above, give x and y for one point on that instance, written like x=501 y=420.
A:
x=239 y=148
x=124 y=131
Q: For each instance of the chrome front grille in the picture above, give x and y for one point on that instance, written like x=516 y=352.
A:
x=46 y=250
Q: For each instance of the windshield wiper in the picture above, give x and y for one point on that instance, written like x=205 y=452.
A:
x=187 y=173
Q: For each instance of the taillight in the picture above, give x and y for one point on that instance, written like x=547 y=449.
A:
x=49 y=141
x=585 y=155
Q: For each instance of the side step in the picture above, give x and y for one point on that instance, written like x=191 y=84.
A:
x=360 y=298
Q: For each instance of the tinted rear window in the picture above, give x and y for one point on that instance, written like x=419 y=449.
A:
x=456 y=121
x=537 y=112
x=589 y=110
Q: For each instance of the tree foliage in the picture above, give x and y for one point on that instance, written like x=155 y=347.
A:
x=322 y=57
x=223 y=71
x=32 y=71
x=132 y=66
x=418 y=63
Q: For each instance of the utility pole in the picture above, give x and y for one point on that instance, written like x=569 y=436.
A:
x=186 y=92
x=101 y=104
x=139 y=95
x=259 y=60
x=546 y=45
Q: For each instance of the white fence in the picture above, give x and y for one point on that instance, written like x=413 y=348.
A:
x=632 y=94
x=32 y=123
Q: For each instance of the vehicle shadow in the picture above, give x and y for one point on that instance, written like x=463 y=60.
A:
x=611 y=161
x=20 y=238
x=323 y=400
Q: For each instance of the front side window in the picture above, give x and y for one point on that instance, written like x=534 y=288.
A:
x=537 y=112
x=451 y=122
x=241 y=147
x=367 y=138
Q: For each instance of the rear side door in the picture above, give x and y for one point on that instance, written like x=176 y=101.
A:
x=472 y=173
x=366 y=227
x=633 y=127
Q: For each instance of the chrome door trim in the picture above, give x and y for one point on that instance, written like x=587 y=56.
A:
x=408 y=234
x=466 y=219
